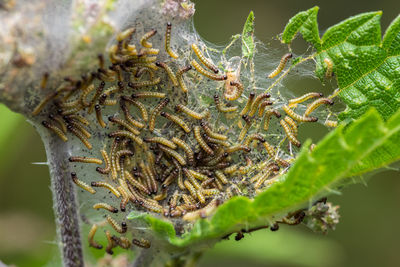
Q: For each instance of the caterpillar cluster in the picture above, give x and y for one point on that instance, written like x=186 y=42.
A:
x=163 y=155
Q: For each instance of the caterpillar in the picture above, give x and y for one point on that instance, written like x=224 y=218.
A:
x=189 y=112
x=108 y=186
x=60 y=121
x=248 y=104
x=210 y=192
x=124 y=124
x=292 y=124
x=155 y=112
x=221 y=107
x=170 y=52
x=45 y=78
x=149 y=175
x=212 y=134
x=281 y=65
x=179 y=77
x=82 y=98
x=190 y=188
x=78 y=118
x=148 y=51
x=214 y=161
x=144 y=83
x=43 y=103
x=212 y=76
x=121 y=153
x=105 y=206
x=170 y=178
x=298 y=117
x=122 y=241
x=245 y=128
x=201 y=142
x=329 y=68
x=128 y=134
x=129 y=117
x=78 y=134
x=238 y=147
x=56 y=130
x=254 y=136
x=221 y=176
x=265 y=175
x=174 y=154
x=174 y=200
x=79 y=128
x=170 y=73
x=232 y=95
x=209 y=139
x=85 y=160
x=191 y=179
x=107 y=168
x=136 y=183
x=82 y=184
x=330 y=123
x=161 y=140
x=198 y=175
x=110 y=243
x=188 y=151
x=144 y=69
x=144 y=40
x=231 y=169
x=143 y=243
x=267 y=117
x=152 y=206
x=303 y=98
x=99 y=117
x=176 y=120
x=256 y=103
x=314 y=105
x=204 y=212
x=96 y=96
x=203 y=59
x=289 y=133
x=119 y=228
x=92 y=232
x=148 y=94
x=125 y=34
x=263 y=105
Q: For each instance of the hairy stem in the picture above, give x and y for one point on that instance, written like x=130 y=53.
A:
x=65 y=207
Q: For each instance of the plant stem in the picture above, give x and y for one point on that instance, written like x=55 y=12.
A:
x=65 y=207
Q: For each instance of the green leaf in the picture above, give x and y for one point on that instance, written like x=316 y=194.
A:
x=384 y=154
x=248 y=45
x=372 y=78
x=306 y=23
x=391 y=40
x=314 y=174
x=367 y=70
x=361 y=30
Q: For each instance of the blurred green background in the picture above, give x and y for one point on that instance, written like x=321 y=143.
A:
x=366 y=236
